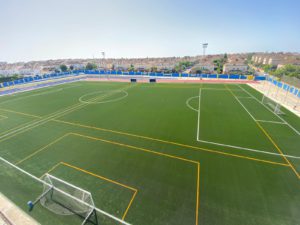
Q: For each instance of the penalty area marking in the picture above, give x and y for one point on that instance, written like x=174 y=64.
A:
x=226 y=145
x=132 y=147
x=270 y=121
x=248 y=149
x=124 y=95
x=135 y=191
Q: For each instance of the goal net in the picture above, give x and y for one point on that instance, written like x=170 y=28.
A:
x=63 y=198
x=54 y=194
x=272 y=104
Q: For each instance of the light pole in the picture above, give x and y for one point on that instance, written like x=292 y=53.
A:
x=103 y=55
x=204 y=46
x=103 y=58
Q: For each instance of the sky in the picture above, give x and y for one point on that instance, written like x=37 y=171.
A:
x=55 y=29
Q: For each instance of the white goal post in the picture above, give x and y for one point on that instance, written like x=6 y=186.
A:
x=274 y=105
x=61 y=197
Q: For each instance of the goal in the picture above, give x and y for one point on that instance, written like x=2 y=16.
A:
x=272 y=104
x=63 y=198
x=55 y=194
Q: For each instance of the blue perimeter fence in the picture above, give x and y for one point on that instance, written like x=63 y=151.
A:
x=116 y=72
x=284 y=86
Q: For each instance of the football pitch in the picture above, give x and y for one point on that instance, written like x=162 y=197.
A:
x=155 y=154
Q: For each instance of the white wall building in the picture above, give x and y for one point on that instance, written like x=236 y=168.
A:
x=274 y=61
x=8 y=72
x=206 y=66
x=234 y=67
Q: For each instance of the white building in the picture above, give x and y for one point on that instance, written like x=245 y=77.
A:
x=274 y=61
x=29 y=72
x=228 y=67
x=206 y=66
x=8 y=72
x=265 y=60
x=78 y=66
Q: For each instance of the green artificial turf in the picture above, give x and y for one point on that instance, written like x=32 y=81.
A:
x=142 y=151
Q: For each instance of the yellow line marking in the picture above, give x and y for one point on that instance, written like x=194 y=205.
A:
x=278 y=149
x=98 y=176
x=109 y=180
x=273 y=142
x=41 y=149
x=11 y=129
x=172 y=143
x=153 y=152
x=129 y=205
x=133 y=147
x=149 y=151
x=198 y=193
x=21 y=113
x=60 y=113
x=51 y=169
x=130 y=147
x=164 y=141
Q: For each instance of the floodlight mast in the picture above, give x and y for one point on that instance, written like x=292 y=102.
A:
x=103 y=58
x=204 y=46
x=103 y=55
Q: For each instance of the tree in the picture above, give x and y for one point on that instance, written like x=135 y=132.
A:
x=288 y=70
x=91 y=66
x=131 y=68
x=9 y=78
x=153 y=69
x=268 y=68
x=63 y=68
x=183 y=65
x=219 y=64
x=225 y=57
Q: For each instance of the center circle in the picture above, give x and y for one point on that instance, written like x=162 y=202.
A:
x=120 y=94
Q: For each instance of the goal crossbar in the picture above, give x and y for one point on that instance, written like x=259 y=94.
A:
x=63 y=192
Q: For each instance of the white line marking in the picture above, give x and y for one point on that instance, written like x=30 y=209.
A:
x=61 y=191
x=243 y=97
x=33 y=95
x=270 y=121
x=198 y=125
x=52 y=116
x=233 y=146
x=187 y=102
x=294 y=129
x=244 y=107
x=124 y=95
x=3 y=117
x=248 y=149
x=220 y=89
